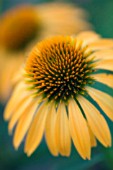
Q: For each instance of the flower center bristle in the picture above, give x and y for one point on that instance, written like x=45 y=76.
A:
x=18 y=27
x=59 y=69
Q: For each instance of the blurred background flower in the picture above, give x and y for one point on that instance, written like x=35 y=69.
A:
x=100 y=12
x=23 y=25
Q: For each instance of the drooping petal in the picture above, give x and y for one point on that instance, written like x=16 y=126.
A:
x=79 y=130
x=21 y=109
x=104 y=78
x=101 y=44
x=62 y=131
x=50 y=131
x=73 y=24
x=105 y=64
x=24 y=123
x=5 y=81
x=104 y=101
x=36 y=130
x=14 y=99
x=96 y=122
x=92 y=137
x=103 y=55
x=18 y=76
x=88 y=37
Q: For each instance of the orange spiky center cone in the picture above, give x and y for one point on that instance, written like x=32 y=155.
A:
x=59 y=69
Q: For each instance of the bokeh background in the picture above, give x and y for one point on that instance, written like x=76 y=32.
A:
x=101 y=16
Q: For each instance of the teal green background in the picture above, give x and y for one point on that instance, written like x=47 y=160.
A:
x=101 y=16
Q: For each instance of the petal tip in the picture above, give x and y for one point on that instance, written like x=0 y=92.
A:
x=15 y=144
x=28 y=153
x=16 y=147
x=10 y=131
x=5 y=117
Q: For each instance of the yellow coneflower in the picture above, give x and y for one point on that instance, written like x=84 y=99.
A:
x=53 y=96
x=22 y=26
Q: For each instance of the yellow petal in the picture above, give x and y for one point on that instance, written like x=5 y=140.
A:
x=36 y=130
x=21 y=109
x=92 y=137
x=88 y=36
x=79 y=130
x=101 y=44
x=9 y=66
x=15 y=105
x=73 y=23
x=104 y=101
x=105 y=64
x=24 y=123
x=50 y=131
x=18 y=76
x=62 y=131
x=17 y=94
x=104 y=78
x=5 y=82
x=103 y=55
x=96 y=122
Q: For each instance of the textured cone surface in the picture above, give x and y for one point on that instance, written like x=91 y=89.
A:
x=59 y=68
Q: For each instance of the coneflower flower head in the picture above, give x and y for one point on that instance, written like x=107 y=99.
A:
x=55 y=95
